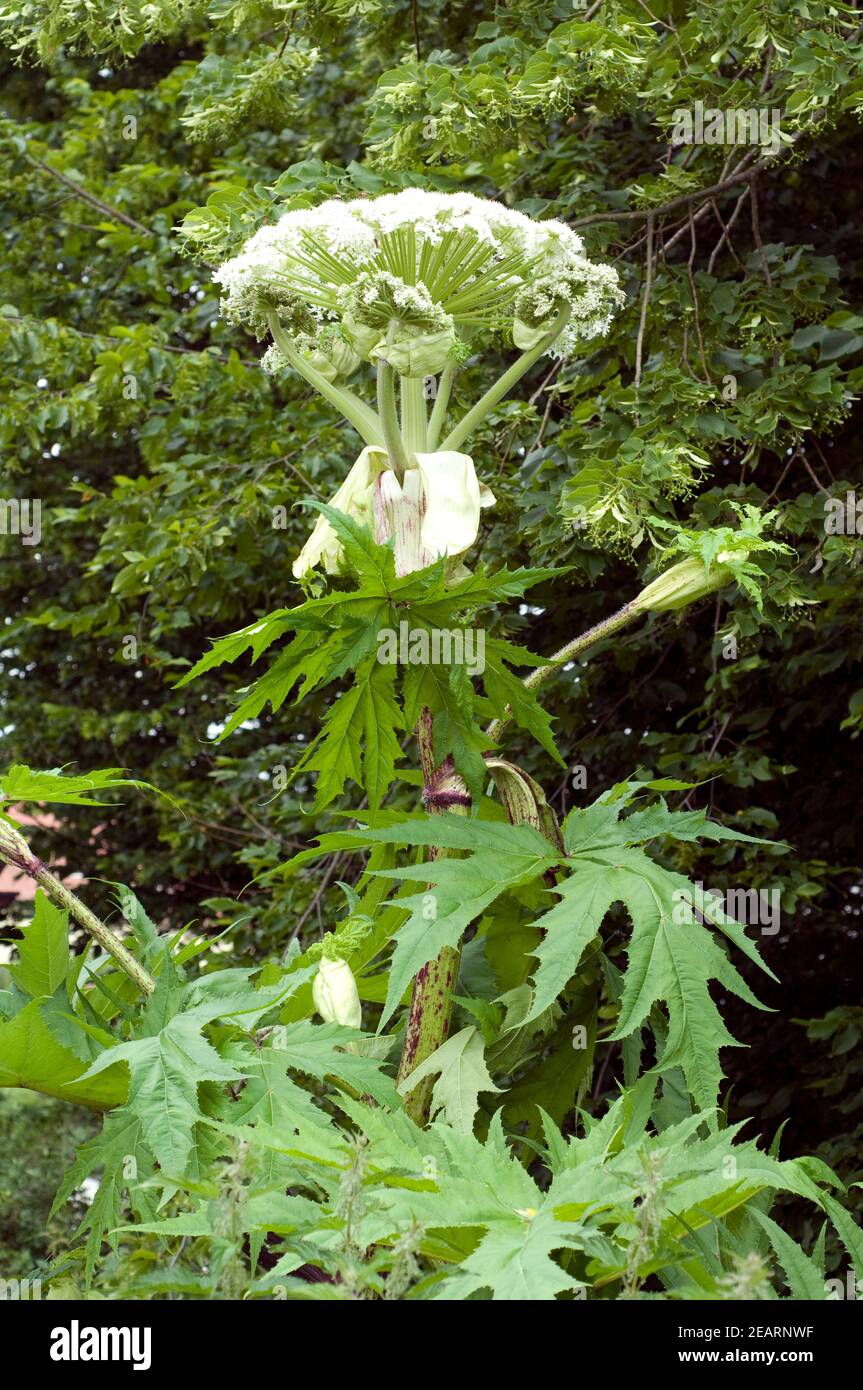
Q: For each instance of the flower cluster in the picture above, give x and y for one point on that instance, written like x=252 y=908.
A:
x=412 y=282
x=583 y=295
x=714 y=558
x=425 y=259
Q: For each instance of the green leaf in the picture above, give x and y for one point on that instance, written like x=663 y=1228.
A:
x=318 y=1050
x=459 y=1065
x=166 y=1067
x=275 y=1104
x=568 y=929
x=144 y=928
x=553 y=1083
x=21 y=784
x=507 y=691
x=450 y=695
x=671 y=956
x=119 y=1155
x=43 y=954
x=256 y=637
x=805 y=1278
x=476 y=1185
x=366 y=559
x=849 y=1232
x=31 y=1056
x=457 y=891
x=358 y=739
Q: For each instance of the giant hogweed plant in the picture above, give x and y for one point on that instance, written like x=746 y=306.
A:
x=400 y=1110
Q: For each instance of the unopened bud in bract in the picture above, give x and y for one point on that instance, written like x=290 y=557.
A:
x=333 y=357
x=335 y=995
x=528 y=335
x=683 y=584
x=416 y=353
x=361 y=337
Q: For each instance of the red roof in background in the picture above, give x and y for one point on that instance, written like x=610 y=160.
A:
x=12 y=880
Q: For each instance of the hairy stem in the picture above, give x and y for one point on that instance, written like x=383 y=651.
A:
x=15 y=851
x=503 y=385
x=60 y=894
x=431 y=1001
x=627 y=614
x=355 y=411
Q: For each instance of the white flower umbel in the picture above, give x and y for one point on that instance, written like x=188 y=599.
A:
x=413 y=283
x=424 y=253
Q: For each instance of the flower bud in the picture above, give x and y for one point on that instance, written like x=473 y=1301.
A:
x=342 y=356
x=362 y=337
x=335 y=994
x=527 y=335
x=537 y=310
x=684 y=583
x=415 y=353
x=333 y=357
x=322 y=363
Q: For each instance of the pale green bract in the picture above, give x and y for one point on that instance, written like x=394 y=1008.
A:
x=433 y=511
x=334 y=993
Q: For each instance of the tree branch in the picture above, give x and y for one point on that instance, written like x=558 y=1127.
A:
x=683 y=200
x=87 y=197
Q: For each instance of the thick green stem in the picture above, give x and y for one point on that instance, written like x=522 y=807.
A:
x=431 y=1000
x=441 y=404
x=414 y=415
x=503 y=385
x=393 y=442
x=360 y=415
x=627 y=614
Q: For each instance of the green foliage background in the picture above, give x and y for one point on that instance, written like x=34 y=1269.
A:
x=159 y=449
